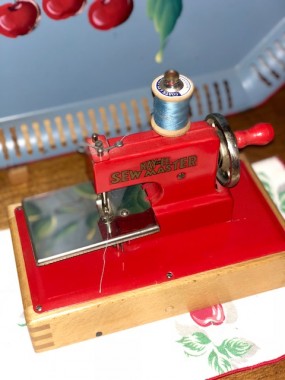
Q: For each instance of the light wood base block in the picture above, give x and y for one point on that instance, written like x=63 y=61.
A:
x=67 y=325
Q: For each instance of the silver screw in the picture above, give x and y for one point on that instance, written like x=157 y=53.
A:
x=124 y=212
x=94 y=137
x=99 y=148
x=119 y=144
x=100 y=152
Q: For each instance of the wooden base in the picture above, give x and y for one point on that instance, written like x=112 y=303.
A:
x=78 y=322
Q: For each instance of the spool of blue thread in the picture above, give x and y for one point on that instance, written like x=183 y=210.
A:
x=171 y=114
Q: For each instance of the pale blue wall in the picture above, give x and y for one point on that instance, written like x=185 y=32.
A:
x=68 y=61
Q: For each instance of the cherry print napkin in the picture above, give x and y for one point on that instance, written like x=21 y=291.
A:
x=203 y=344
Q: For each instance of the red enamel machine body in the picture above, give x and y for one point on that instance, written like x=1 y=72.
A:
x=178 y=174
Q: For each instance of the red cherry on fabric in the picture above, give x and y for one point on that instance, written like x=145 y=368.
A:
x=62 y=9
x=107 y=14
x=213 y=315
x=19 y=18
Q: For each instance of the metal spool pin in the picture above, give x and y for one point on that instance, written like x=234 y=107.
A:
x=171 y=80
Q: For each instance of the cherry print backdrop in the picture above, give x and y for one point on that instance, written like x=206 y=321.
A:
x=60 y=10
x=19 y=18
x=55 y=52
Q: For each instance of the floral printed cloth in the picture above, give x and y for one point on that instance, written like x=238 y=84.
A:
x=271 y=172
x=203 y=344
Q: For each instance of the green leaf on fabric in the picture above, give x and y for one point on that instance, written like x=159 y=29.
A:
x=164 y=14
x=281 y=196
x=235 y=347
x=195 y=344
x=266 y=183
x=219 y=363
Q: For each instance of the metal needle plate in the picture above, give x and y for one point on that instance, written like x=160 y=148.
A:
x=66 y=222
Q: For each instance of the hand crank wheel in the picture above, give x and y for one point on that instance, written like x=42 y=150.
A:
x=228 y=173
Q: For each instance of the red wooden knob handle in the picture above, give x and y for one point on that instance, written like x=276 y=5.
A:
x=259 y=134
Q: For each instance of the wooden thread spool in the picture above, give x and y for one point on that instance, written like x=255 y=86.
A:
x=171 y=113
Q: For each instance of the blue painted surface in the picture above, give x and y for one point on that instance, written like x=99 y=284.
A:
x=62 y=62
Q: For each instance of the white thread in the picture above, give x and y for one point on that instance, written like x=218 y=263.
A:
x=127 y=134
x=104 y=261
x=103 y=269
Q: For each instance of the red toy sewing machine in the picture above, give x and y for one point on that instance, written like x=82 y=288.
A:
x=197 y=229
